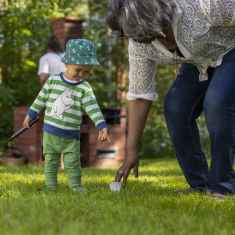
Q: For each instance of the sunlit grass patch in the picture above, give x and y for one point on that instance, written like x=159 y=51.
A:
x=148 y=205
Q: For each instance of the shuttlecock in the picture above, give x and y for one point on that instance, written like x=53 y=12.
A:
x=115 y=186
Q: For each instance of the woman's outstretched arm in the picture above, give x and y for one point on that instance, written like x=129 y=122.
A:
x=137 y=115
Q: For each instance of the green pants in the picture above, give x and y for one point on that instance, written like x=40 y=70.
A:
x=53 y=147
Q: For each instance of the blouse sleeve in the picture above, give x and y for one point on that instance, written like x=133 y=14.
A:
x=142 y=72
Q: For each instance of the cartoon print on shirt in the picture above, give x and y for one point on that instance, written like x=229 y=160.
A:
x=63 y=103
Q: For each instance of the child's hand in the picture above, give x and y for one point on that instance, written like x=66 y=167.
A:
x=103 y=135
x=26 y=122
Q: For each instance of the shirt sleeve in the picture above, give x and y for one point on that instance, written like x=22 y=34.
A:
x=39 y=103
x=142 y=72
x=91 y=107
x=44 y=66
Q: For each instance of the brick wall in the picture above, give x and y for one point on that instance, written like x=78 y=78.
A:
x=95 y=153
x=30 y=142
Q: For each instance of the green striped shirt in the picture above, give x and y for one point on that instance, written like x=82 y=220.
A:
x=64 y=103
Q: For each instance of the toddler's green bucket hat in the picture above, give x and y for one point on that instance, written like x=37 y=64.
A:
x=80 y=51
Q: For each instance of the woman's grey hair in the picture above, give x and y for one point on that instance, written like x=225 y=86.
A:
x=143 y=20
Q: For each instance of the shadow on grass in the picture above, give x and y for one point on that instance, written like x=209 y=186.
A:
x=26 y=169
x=151 y=161
x=171 y=172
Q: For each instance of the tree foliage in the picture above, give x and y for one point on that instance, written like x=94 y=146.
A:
x=24 y=31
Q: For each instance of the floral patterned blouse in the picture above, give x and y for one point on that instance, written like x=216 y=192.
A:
x=204 y=31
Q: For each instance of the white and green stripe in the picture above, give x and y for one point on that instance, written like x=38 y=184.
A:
x=83 y=99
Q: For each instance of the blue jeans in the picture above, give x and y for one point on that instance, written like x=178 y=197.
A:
x=185 y=102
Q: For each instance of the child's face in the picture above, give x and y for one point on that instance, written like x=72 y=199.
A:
x=78 y=71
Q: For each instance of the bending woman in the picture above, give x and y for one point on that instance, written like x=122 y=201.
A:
x=200 y=35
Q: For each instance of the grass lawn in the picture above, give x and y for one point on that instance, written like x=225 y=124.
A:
x=148 y=205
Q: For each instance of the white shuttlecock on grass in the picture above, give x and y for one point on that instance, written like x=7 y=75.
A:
x=115 y=186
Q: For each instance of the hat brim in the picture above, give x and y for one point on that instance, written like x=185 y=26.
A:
x=82 y=61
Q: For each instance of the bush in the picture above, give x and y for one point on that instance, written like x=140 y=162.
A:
x=6 y=118
x=156 y=141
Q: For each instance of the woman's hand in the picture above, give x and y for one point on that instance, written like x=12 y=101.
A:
x=103 y=135
x=26 y=122
x=124 y=171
